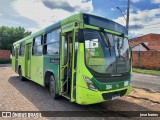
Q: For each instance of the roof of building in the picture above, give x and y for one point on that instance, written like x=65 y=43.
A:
x=133 y=44
x=147 y=35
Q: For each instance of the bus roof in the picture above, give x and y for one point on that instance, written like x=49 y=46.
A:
x=56 y=25
x=87 y=18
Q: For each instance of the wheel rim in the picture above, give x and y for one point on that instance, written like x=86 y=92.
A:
x=52 y=85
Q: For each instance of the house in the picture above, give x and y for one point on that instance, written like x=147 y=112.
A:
x=152 y=41
x=4 y=54
x=136 y=46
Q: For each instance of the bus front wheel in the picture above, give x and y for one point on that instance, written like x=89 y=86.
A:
x=52 y=87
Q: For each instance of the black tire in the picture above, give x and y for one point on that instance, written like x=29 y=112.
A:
x=20 y=75
x=52 y=87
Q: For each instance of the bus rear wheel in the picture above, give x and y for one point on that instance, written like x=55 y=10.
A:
x=52 y=87
x=20 y=75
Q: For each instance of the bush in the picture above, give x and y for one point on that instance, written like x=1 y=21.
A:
x=3 y=61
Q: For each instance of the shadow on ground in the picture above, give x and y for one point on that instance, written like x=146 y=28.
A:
x=43 y=101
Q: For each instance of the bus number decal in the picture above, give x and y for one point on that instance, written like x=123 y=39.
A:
x=53 y=60
x=108 y=87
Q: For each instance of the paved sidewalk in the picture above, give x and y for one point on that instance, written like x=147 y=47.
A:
x=5 y=65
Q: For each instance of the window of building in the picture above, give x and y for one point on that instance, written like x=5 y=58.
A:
x=51 y=44
x=37 y=46
x=22 y=49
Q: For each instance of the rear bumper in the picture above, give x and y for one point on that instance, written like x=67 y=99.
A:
x=86 y=96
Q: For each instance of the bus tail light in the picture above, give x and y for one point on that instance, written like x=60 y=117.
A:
x=89 y=83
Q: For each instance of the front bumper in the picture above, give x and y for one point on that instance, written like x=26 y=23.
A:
x=86 y=96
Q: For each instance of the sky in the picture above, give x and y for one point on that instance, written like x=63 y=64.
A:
x=34 y=15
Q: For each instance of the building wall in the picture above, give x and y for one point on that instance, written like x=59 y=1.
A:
x=4 y=54
x=146 y=59
x=153 y=41
x=139 y=48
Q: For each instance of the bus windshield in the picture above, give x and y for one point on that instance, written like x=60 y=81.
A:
x=106 y=53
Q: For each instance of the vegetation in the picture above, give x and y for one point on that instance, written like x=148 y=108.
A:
x=9 y=35
x=145 y=71
x=5 y=61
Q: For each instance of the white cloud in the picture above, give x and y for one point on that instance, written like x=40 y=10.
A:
x=112 y=9
x=143 y=22
x=44 y=15
x=0 y=14
x=134 y=1
x=155 y=1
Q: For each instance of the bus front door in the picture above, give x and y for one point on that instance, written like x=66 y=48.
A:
x=66 y=65
x=28 y=60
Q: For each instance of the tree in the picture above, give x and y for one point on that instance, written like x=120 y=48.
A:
x=9 y=35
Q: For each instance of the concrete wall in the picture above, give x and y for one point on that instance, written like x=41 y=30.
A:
x=4 y=54
x=146 y=59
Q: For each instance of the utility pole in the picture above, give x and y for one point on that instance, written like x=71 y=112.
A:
x=127 y=22
x=127 y=19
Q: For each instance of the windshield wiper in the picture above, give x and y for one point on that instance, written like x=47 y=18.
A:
x=122 y=43
x=119 y=47
x=106 y=41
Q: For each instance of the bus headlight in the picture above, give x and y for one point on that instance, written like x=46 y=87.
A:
x=89 y=83
x=127 y=83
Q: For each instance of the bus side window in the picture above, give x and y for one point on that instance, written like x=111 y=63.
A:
x=51 y=43
x=22 y=48
x=37 y=46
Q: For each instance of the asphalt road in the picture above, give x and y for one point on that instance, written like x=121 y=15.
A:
x=16 y=95
x=150 y=82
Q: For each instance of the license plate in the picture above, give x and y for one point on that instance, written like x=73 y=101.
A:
x=115 y=97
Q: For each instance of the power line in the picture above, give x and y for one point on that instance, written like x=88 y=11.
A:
x=128 y=8
x=122 y=13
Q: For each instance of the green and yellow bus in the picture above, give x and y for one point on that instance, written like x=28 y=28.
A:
x=85 y=58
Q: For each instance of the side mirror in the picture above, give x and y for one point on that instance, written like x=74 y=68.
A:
x=80 y=36
x=122 y=35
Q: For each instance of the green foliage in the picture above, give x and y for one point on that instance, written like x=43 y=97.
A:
x=9 y=35
x=2 y=61
x=145 y=71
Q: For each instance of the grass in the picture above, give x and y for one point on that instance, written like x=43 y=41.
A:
x=145 y=71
